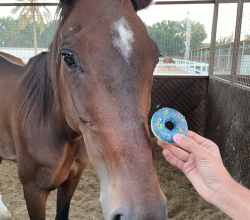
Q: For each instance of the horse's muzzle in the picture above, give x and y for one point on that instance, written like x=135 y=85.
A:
x=156 y=211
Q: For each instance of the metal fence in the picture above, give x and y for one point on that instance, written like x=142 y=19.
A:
x=21 y=36
x=223 y=59
x=166 y=23
x=227 y=55
x=184 y=68
x=231 y=29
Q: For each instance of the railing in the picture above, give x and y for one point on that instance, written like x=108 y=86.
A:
x=182 y=68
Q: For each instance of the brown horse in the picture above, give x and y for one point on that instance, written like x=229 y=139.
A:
x=86 y=99
x=168 y=60
x=12 y=58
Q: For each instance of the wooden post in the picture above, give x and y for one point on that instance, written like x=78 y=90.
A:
x=213 y=38
x=237 y=41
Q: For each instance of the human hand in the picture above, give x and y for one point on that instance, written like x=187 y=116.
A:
x=200 y=161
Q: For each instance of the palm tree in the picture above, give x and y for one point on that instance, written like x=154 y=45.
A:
x=37 y=15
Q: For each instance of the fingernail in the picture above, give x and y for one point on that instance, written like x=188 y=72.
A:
x=177 y=138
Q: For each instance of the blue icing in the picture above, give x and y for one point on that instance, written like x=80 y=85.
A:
x=164 y=115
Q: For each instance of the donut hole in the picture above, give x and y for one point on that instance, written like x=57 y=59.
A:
x=169 y=125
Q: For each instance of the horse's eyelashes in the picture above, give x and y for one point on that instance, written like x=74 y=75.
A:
x=69 y=60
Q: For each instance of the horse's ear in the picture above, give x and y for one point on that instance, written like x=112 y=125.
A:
x=140 y=4
x=66 y=1
x=66 y=6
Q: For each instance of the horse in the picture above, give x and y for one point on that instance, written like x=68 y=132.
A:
x=168 y=60
x=12 y=58
x=85 y=100
x=4 y=212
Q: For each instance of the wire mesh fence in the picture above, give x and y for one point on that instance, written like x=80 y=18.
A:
x=243 y=65
x=233 y=40
x=176 y=29
x=26 y=30
x=232 y=56
x=166 y=24
x=23 y=37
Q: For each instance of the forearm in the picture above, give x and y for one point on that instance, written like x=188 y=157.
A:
x=234 y=200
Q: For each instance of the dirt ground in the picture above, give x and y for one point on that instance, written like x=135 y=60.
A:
x=162 y=70
x=183 y=201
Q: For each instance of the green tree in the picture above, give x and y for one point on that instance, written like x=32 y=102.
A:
x=204 y=45
x=198 y=34
x=167 y=35
x=38 y=16
x=9 y=33
x=247 y=37
x=171 y=36
x=225 y=40
x=12 y=36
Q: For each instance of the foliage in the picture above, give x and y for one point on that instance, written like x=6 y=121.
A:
x=198 y=34
x=225 y=40
x=167 y=36
x=247 y=37
x=171 y=36
x=12 y=36
x=26 y=14
x=35 y=15
x=204 y=45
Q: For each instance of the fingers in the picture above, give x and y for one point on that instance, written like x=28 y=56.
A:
x=189 y=145
x=197 y=138
x=172 y=159
x=175 y=151
x=200 y=140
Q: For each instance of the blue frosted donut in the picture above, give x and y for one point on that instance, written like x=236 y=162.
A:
x=165 y=115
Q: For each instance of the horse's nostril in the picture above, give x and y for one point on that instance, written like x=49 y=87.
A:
x=119 y=217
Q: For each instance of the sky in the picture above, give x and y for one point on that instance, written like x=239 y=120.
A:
x=197 y=12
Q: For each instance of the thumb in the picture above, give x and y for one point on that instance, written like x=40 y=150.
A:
x=189 y=145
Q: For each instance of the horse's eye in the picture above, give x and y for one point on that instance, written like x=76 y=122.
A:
x=69 y=60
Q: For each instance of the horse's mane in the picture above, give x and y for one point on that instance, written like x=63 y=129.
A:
x=44 y=71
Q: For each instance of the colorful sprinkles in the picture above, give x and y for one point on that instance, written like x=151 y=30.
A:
x=158 y=124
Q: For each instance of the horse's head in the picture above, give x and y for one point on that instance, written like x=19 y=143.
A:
x=105 y=81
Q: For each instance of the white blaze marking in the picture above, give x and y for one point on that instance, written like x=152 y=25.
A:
x=123 y=37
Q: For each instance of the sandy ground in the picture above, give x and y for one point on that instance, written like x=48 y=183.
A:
x=183 y=201
x=162 y=70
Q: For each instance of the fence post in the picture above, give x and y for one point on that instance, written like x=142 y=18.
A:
x=206 y=56
x=213 y=38
x=229 y=56
x=237 y=41
x=242 y=59
x=219 y=58
x=243 y=49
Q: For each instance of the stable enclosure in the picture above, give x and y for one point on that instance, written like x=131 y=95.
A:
x=209 y=83
x=228 y=112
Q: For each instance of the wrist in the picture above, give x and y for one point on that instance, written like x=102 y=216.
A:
x=233 y=199
x=222 y=194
